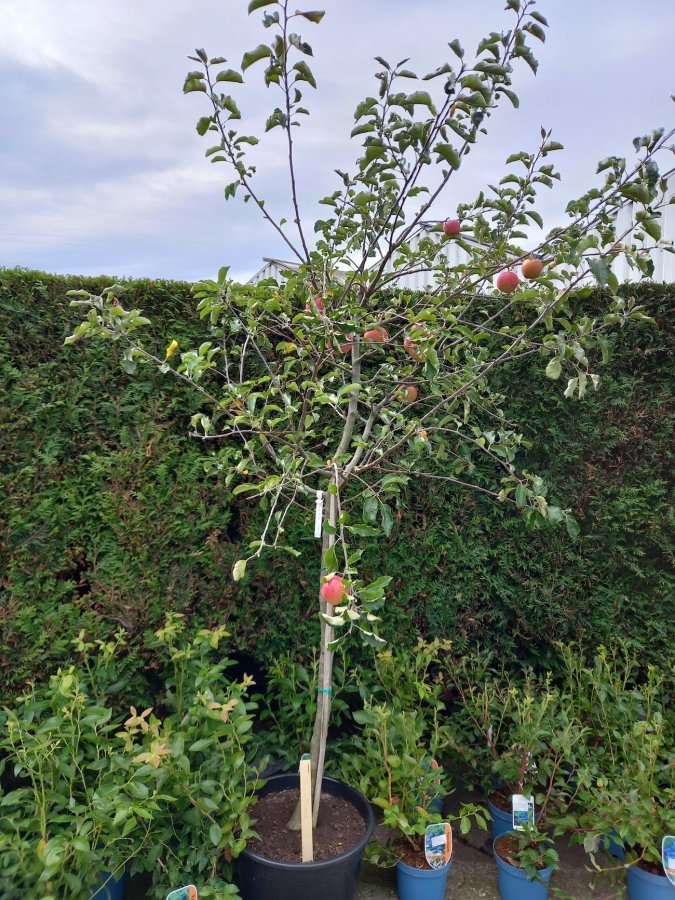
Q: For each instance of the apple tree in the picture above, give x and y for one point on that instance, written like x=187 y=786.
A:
x=337 y=389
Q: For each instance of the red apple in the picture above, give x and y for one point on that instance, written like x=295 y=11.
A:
x=377 y=334
x=409 y=393
x=507 y=282
x=452 y=227
x=532 y=267
x=347 y=346
x=313 y=305
x=411 y=349
x=409 y=344
x=333 y=590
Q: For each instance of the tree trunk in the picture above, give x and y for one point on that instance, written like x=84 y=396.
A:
x=325 y=683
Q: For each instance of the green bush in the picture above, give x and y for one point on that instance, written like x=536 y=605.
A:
x=109 y=518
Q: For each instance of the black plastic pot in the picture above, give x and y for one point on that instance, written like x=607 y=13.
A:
x=259 y=878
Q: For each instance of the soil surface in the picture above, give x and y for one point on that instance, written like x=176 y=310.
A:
x=411 y=857
x=507 y=849
x=501 y=800
x=340 y=827
x=652 y=868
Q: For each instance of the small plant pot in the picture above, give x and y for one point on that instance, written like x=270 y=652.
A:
x=612 y=847
x=643 y=885
x=502 y=822
x=421 y=884
x=259 y=878
x=109 y=888
x=514 y=883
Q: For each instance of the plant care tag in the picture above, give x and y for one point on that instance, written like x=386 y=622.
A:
x=523 y=812
x=668 y=857
x=318 y=515
x=438 y=845
x=184 y=893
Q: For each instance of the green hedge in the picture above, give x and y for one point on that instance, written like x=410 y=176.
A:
x=108 y=519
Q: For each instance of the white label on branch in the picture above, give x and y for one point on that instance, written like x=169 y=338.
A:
x=318 y=518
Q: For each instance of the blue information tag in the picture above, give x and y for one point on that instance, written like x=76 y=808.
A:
x=438 y=845
x=668 y=857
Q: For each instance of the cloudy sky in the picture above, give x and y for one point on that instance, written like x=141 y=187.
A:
x=102 y=171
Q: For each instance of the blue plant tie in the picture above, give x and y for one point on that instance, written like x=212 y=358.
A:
x=325 y=690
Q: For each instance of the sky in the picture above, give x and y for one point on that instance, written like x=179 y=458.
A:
x=103 y=172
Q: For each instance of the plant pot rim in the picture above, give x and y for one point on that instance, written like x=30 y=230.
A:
x=637 y=865
x=358 y=801
x=429 y=869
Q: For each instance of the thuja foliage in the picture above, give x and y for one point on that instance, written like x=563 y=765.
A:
x=77 y=437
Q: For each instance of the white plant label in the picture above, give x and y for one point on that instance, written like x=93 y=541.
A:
x=522 y=812
x=668 y=857
x=318 y=518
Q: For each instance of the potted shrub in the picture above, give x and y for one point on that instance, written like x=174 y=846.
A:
x=525 y=863
x=331 y=393
x=165 y=793
x=394 y=764
x=625 y=772
x=58 y=820
x=515 y=736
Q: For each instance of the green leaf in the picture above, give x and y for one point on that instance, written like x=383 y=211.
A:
x=330 y=560
x=313 y=15
x=387 y=518
x=521 y=495
x=554 y=368
x=304 y=73
x=363 y=530
x=239 y=569
x=364 y=128
x=572 y=526
x=600 y=269
x=201 y=744
x=229 y=75
x=456 y=48
x=258 y=4
x=449 y=154
x=194 y=81
x=215 y=834
x=652 y=227
x=571 y=387
x=203 y=124
x=421 y=98
x=370 y=505
x=262 y=51
x=243 y=488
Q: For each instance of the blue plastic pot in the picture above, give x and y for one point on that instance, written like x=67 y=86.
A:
x=108 y=888
x=502 y=822
x=645 y=886
x=514 y=883
x=609 y=845
x=421 y=884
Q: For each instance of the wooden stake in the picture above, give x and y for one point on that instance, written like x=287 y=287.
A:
x=306 y=809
